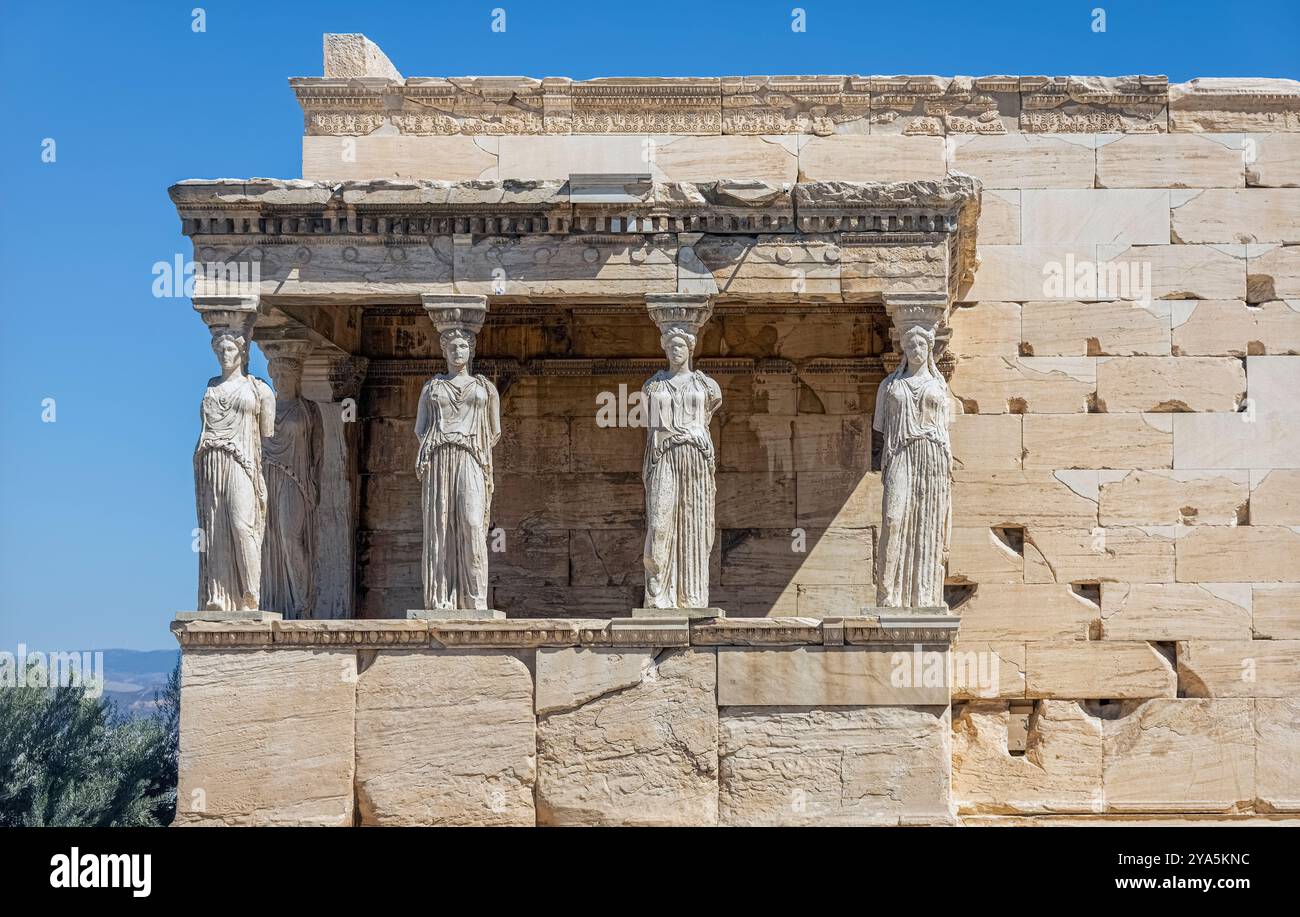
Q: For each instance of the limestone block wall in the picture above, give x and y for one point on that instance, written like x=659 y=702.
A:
x=1136 y=552
x=1126 y=533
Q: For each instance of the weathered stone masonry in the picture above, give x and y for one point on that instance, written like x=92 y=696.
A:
x=563 y=722
x=1125 y=362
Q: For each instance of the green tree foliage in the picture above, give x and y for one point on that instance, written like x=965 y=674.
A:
x=69 y=760
x=163 y=789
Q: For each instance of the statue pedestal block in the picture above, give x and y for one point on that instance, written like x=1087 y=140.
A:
x=688 y=613
x=230 y=617
x=455 y=614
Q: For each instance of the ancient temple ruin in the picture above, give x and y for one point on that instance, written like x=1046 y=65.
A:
x=1108 y=282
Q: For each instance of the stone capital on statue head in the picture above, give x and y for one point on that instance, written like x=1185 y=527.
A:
x=918 y=310
x=679 y=311
x=285 y=349
x=455 y=311
x=228 y=314
x=907 y=310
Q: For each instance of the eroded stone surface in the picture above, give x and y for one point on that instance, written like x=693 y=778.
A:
x=1277 y=754
x=1239 y=668
x=1112 y=669
x=1175 y=611
x=845 y=766
x=266 y=737
x=1075 y=329
x=1062 y=441
x=1173 y=161
x=644 y=753
x=353 y=55
x=1170 y=384
x=1218 y=554
x=1179 y=754
x=1059 y=770
x=832 y=676
x=1159 y=497
x=984 y=670
x=445 y=738
x=571 y=677
x=1232 y=328
x=1276 y=611
x=1020 y=611
x=1235 y=104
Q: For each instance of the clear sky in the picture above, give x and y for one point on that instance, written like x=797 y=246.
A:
x=96 y=508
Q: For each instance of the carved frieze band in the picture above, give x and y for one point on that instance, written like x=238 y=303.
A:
x=518 y=633
x=817 y=105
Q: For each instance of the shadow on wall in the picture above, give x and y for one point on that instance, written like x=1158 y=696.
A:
x=797 y=503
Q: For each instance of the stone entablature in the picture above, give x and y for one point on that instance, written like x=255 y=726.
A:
x=743 y=240
x=396 y=208
x=802 y=105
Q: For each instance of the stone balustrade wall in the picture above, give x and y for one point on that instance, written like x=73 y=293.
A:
x=777 y=721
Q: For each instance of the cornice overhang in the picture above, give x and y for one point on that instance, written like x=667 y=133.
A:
x=819 y=220
x=950 y=205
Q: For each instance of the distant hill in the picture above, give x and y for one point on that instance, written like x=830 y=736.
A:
x=131 y=678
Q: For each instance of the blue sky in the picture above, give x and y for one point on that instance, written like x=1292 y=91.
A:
x=97 y=507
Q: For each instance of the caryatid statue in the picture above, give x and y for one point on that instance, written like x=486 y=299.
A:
x=679 y=465
x=457 y=423
x=237 y=411
x=913 y=414
x=291 y=460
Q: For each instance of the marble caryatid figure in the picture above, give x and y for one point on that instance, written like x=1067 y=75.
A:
x=678 y=470
x=291 y=460
x=457 y=423
x=237 y=412
x=912 y=414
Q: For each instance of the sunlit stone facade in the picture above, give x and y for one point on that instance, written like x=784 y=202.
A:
x=1110 y=269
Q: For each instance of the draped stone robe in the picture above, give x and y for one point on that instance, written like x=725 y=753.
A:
x=679 y=488
x=457 y=428
x=916 y=466
x=291 y=460
x=230 y=491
